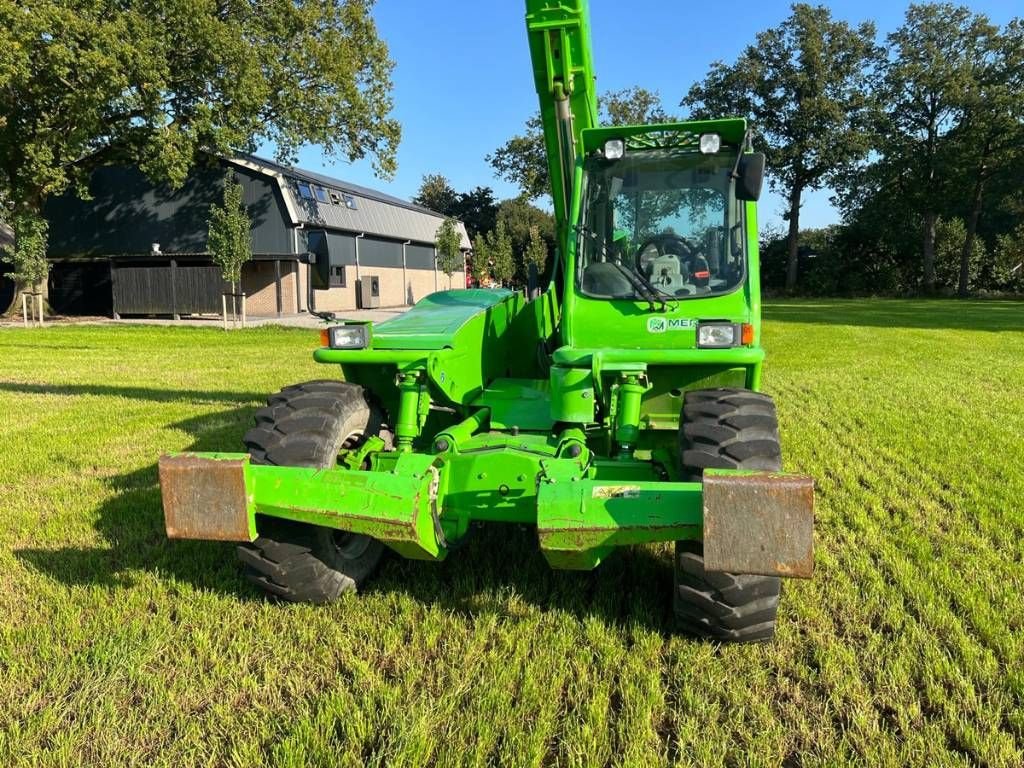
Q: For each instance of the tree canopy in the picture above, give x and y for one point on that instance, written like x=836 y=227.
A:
x=152 y=82
x=804 y=85
x=522 y=160
x=477 y=209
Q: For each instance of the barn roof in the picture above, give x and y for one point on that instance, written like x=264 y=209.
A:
x=351 y=207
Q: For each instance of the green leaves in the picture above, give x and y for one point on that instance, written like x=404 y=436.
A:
x=499 y=244
x=29 y=253
x=153 y=81
x=449 y=246
x=804 y=86
x=523 y=161
x=536 y=251
x=481 y=261
x=230 y=235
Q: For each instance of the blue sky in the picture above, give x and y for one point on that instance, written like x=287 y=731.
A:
x=463 y=82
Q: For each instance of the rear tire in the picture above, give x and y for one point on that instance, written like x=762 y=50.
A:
x=308 y=425
x=725 y=429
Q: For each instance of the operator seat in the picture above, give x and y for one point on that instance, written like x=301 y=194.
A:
x=663 y=271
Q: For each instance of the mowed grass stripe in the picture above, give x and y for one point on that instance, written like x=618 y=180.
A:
x=120 y=648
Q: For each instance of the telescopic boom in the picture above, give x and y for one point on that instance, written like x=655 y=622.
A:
x=559 y=37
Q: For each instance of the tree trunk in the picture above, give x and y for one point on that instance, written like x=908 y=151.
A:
x=928 y=251
x=793 y=238
x=972 y=228
x=234 y=302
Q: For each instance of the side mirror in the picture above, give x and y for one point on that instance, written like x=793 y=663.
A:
x=750 y=176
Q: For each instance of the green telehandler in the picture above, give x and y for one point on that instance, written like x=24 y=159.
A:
x=618 y=406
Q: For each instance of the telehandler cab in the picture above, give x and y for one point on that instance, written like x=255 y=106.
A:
x=621 y=406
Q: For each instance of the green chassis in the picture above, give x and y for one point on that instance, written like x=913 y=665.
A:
x=562 y=412
x=587 y=455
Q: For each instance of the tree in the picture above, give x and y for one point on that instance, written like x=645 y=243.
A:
x=139 y=82
x=633 y=106
x=523 y=160
x=477 y=209
x=536 y=253
x=437 y=194
x=500 y=247
x=229 y=238
x=804 y=86
x=924 y=91
x=950 y=239
x=519 y=216
x=481 y=261
x=1008 y=261
x=449 y=247
x=29 y=253
x=990 y=138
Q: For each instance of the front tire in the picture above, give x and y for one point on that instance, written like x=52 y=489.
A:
x=725 y=429
x=308 y=425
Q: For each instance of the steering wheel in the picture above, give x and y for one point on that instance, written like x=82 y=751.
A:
x=662 y=240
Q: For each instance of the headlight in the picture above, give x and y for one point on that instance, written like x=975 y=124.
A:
x=718 y=335
x=348 y=336
x=710 y=143
x=723 y=335
x=614 y=149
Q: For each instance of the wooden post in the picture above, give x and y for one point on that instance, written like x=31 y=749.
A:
x=174 y=290
x=224 y=308
x=24 y=307
x=277 y=286
x=39 y=299
x=243 y=310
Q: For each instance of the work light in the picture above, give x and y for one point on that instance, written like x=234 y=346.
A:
x=614 y=149
x=718 y=335
x=348 y=337
x=710 y=143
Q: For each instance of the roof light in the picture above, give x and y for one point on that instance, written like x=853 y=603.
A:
x=710 y=143
x=614 y=149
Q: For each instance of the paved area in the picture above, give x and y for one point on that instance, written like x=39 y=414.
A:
x=301 y=320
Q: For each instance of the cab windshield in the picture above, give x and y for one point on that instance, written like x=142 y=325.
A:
x=662 y=223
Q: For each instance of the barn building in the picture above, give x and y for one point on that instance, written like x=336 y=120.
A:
x=138 y=248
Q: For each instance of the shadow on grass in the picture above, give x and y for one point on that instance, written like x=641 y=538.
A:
x=133 y=393
x=633 y=587
x=131 y=522
x=955 y=314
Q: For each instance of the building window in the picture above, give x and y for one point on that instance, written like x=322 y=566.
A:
x=305 y=192
x=321 y=194
x=350 y=202
x=337 y=276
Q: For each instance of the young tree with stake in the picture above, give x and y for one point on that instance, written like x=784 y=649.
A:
x=481 y=261
x=230 y=239
x=449 y=247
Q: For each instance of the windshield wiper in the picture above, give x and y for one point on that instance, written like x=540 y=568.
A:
x=641 y=284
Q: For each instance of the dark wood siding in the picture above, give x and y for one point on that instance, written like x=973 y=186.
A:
x=419 y=257
x=128 y=213
x=147 y=289
x=374 y=252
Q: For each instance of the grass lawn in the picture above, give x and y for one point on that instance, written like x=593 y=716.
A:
x=120 y=648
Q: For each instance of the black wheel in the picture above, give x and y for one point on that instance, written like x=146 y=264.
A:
x=308 y=425
x=725 y=429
